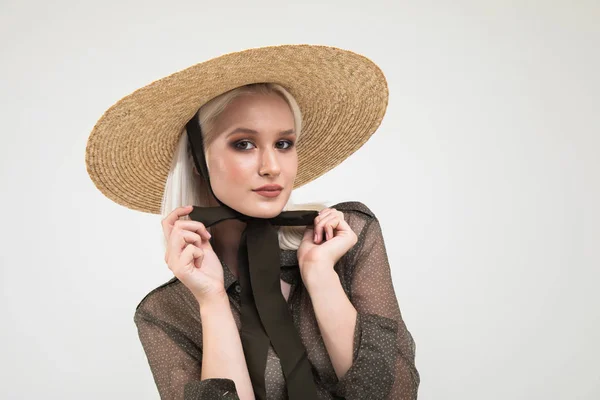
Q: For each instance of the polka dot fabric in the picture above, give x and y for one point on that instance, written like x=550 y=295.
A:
x=170 y=330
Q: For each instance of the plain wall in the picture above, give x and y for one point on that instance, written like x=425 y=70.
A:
x=485 y=175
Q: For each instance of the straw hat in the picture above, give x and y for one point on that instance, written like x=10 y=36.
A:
x=342 y=95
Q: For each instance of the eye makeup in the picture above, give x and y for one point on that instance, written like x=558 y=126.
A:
x=236 y=145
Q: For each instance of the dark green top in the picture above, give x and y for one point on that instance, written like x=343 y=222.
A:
x=170 y=329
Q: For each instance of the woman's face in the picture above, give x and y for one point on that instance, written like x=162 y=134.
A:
x=254 y=146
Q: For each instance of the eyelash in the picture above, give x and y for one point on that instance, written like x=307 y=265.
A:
x=289 y=142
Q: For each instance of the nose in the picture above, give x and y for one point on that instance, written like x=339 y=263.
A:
x=269 y=164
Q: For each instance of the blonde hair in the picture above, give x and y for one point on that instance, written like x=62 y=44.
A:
x=183 y=187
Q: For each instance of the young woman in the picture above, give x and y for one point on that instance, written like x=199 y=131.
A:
x=267 y=302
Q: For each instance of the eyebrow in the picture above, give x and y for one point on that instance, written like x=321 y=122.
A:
x=252 y=131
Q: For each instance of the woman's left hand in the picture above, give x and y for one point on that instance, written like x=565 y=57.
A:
x=325 y=243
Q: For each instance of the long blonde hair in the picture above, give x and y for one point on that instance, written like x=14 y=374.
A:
x=183 y=187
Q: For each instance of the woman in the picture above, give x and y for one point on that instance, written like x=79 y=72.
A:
x=265 y=303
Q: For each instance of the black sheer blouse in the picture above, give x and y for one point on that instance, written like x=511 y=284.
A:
x=170 y=329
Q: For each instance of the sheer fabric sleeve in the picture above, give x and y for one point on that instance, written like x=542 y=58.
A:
x=176 y=361
x=384 y=350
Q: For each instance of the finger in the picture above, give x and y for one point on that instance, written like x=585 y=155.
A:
x=169 y=220
x=343 y=225
x=193 y=226
x=320 y=227
x=316 y=230
x=343 y=229
x=191 y=256
x=329 y=230
x=326 y=210
x=331 y=225
x=180 y=238
x=178 y=233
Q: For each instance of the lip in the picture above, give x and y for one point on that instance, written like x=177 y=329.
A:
x=268 y=193
x=271 y=187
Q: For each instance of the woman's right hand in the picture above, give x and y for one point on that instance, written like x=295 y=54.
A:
x=190 y=255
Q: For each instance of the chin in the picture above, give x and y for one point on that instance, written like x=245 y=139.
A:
x=254 y=205
x=259 y=208
x=265 y=210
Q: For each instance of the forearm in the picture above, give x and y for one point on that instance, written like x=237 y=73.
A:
x=336 y=317
x=223 y=355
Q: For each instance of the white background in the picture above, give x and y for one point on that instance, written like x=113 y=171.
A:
x=485 y=175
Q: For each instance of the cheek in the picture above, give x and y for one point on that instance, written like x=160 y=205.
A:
x=292 y=164
x=231 y=170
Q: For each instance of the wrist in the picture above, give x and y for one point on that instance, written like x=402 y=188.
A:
x=211 y=303
x=320 y=277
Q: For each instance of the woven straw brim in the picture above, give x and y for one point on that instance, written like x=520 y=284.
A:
x=342 y=96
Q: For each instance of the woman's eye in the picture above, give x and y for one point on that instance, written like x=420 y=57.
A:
x=245 y=145
x=287 y=144
x=242 y=142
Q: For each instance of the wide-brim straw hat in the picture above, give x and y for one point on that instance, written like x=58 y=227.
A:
x=342 y=96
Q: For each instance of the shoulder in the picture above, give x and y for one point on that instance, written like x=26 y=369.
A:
x=170 y=312
x=167 y=298
x=154 y=293
x=355 y=207
x=361 y=220
x=357 y=215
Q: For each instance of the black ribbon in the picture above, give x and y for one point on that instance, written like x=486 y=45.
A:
x=265 y=316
